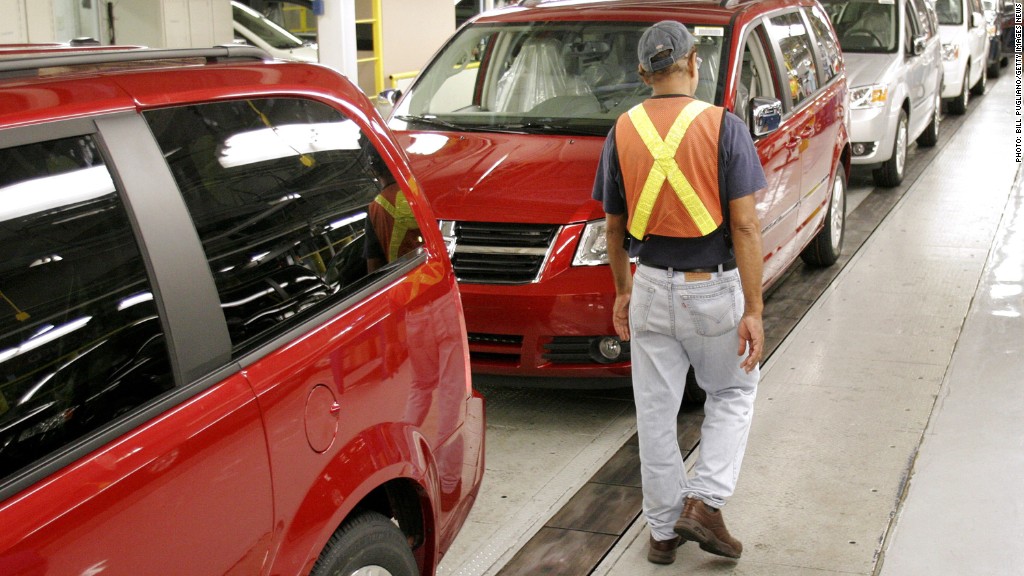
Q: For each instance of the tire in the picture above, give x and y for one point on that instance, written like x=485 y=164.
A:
x=930 y=136
x=827 y=245
x=890 y=174
x=958 y=105
x=979 y=87
x=367 y=545
x=995 y=61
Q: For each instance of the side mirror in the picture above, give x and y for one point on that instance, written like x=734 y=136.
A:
x=920 y=43
x=386 y=100
x=977 y=19
x=766 y=115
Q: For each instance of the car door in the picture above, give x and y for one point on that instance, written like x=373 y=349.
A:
x=779 y=151
x=921 y=70
x=128 y=442
x=808 y=121
x=977 y=37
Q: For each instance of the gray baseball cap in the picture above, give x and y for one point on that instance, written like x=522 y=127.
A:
x=665 y=35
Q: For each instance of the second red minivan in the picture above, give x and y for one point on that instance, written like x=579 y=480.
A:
x=505 y=126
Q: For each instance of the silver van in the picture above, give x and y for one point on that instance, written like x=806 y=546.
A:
x=894 y=63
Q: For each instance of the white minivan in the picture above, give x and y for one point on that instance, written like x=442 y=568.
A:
x=257 y=30
x=962 y=28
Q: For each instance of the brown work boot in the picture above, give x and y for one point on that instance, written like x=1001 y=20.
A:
x=705 y=525
x=663 y=551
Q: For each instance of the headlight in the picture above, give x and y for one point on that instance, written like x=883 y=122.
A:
x=872 y=96
x=593 y=249
x=950 y=51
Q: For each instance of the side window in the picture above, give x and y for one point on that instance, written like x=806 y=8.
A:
x=80 y=340
x=829 y=54
x=797 y=55
x=924 y=16
x=755 y=78
x=294 y=206
x=911 y=27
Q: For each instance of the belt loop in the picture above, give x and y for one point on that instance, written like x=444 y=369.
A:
x=721 y=268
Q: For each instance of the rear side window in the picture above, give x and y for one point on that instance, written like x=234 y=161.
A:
x=80 y=340
x=797 y=56
x=294 y=206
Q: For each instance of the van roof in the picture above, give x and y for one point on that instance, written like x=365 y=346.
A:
x=43 y=84
x=705 y=11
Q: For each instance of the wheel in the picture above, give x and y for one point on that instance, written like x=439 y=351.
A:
x=979 y=87
x=930 y=136
x=367 y=545
x=959 y=104
x=827 y=245
x=891 y=172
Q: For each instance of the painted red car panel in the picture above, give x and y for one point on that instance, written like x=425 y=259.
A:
x=481 y=176
x=366 y=408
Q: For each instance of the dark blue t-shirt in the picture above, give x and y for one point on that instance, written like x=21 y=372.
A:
x=739 y=171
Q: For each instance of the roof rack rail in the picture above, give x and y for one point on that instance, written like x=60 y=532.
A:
x=734 y=3
x=214 y=54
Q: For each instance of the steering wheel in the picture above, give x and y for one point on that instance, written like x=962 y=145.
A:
x=865 y=34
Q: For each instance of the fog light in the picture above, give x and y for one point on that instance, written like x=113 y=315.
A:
x=610 y=347
x=864 y=148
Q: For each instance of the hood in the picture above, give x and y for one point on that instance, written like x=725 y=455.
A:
x=866 y=69
x=485 y=177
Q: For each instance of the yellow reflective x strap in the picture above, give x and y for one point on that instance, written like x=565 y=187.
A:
x=665 y=167
x=403 y=220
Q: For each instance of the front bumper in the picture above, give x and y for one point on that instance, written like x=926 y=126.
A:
x=952 y=78
x=546 y=328
x=876 y=130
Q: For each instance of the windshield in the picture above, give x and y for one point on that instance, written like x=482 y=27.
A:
x=864 y=25
x=265 y=28
x=552 y=77
x=950 y=12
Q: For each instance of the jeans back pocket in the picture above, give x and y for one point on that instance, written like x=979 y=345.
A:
x=715 y=308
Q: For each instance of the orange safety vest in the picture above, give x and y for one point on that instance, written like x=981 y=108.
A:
x=394 y=223
x=669 y=163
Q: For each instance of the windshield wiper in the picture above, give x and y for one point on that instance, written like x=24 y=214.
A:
x=552 y=128
x=432 y=121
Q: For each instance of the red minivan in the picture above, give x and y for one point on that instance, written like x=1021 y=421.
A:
x=504 y=128
x=215 y=358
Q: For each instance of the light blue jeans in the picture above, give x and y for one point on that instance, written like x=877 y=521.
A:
x=675 y=324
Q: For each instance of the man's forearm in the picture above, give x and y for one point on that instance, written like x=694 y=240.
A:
x=746 y=239
x=618 y=258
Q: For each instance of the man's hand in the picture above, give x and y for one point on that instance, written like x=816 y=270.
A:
x=751 y=332
x=620 y=316
x=618 y=262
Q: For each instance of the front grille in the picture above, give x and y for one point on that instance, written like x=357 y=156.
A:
x=495 y=348
x=497 y=253
x=496 y=339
